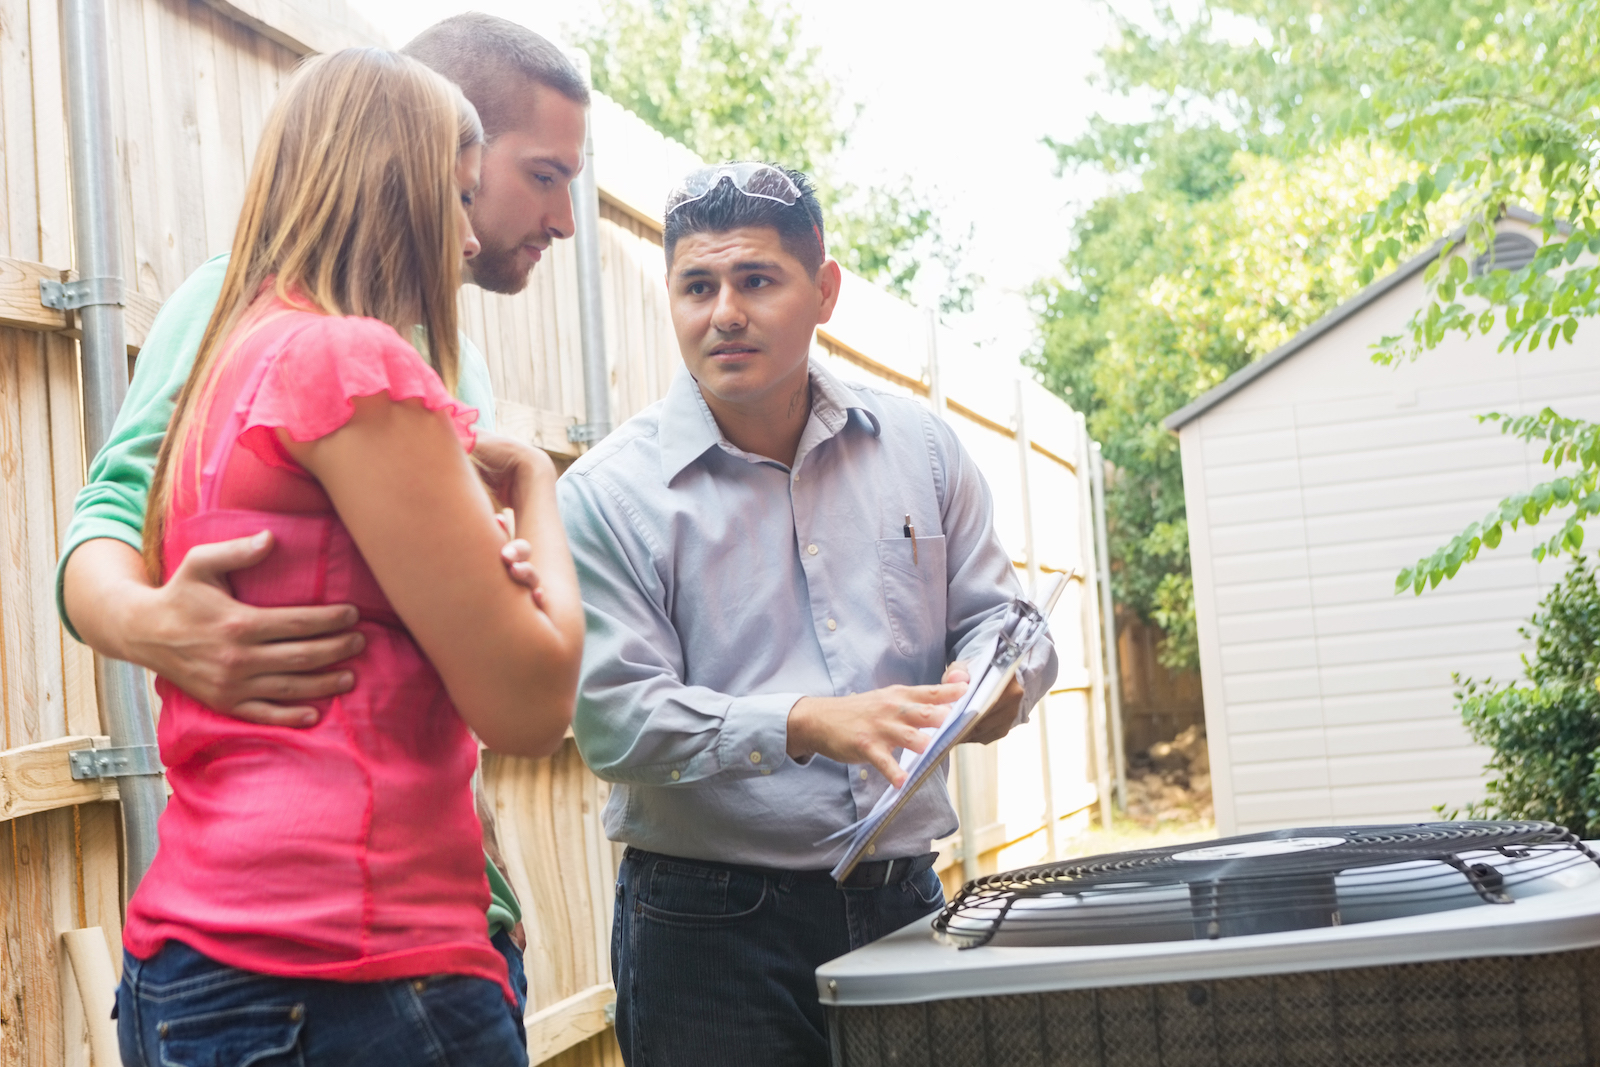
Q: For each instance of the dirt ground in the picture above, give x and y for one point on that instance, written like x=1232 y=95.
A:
x=1169 y=801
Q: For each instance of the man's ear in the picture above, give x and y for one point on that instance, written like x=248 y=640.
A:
x=829 y=279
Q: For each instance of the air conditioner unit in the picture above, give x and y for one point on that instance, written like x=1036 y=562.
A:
x=1465 y=943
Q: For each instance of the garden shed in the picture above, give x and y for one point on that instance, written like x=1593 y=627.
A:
x=1311 y=478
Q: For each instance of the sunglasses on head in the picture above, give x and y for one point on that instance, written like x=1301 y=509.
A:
x=760 y=180
x=751 y=179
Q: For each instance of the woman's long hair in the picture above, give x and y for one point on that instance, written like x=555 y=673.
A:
x=350 y=210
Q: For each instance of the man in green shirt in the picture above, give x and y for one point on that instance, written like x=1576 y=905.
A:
x=269 y=664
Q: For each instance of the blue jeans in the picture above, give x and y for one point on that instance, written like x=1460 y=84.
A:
x=716 y=964
x=519 y=979
x=182 y=1009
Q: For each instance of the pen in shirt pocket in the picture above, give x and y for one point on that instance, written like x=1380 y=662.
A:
x=911 y=532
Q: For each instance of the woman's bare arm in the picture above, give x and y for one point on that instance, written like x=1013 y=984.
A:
x=418 y=512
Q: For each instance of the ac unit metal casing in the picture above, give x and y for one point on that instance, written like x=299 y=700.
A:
x=1484 y=985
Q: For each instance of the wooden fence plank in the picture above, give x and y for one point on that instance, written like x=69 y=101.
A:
x=20 y=227
x=16 y=633
x=19 y=295
x=99 y=827
x=50 y=132
x=36 y=778
x=41 y=1010
x=146 y=253
x=67 y=471
x=39 y=503
x=66 y=913
x=538 y=427
x=13 y=996
x=568 y=1022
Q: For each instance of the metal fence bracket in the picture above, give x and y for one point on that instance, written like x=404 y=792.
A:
x=114 y=762
x=586 y=433
x=85 y=292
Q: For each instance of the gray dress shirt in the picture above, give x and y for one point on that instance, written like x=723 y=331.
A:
x=720 y=587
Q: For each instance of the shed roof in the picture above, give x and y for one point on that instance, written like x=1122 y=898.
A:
x=1242 y=378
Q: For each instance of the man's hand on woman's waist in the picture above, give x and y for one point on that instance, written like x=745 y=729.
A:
x=261 y=664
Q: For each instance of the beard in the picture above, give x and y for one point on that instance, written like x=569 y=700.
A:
x=496 y=270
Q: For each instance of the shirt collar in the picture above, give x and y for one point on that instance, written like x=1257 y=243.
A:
x=687 y=428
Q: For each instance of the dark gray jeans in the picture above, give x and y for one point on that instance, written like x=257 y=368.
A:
x=716 y=964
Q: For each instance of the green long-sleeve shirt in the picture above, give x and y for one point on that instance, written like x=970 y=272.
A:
x=112 y=503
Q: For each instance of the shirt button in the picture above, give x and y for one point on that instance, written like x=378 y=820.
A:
x=811 y=549
x=872 y=850
x=755 y=757
x=863 y=774
x=675 y=776
x=766 y=770
x=832 y=625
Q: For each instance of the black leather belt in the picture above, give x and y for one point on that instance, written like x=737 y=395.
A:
x=872 y=875
x=880 y=873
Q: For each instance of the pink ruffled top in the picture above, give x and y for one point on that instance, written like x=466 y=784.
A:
x=349 y=850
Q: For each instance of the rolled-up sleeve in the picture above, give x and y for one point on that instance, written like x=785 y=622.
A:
x=637 y=722
x=983 y=581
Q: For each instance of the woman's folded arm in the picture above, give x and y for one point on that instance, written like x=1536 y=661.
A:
x=407 y=492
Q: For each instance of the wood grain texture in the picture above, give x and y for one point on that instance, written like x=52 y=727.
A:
x=598 y=1051
x=33 y=427
x=99 y=830
x=538 y=427
x=298 y=27
x=62 y=843
x=568 y=1022
x=564 y=872
x=19 y=295
x=36 y=778
x=19 y=212
x=41 y=1039
x=20 y=307
x=95 y=982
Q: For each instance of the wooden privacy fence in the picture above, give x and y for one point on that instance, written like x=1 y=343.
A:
x=192 y=82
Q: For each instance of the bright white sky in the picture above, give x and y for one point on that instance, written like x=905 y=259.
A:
x=958 y=102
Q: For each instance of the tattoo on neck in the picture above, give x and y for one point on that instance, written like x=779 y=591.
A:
x=795 y=400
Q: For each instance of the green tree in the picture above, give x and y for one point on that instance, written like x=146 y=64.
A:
x=1217 y=256
x=732 y=80
x=1545 y=734
x=1501 y=99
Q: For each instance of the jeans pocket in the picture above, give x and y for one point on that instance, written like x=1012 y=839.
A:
x=915 y=588
x=266 y=1035
x=926 y=889
x=688 y=894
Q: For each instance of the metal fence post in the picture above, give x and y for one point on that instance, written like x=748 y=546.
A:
x=1108 y=622
x=124 y=698
x=591 y=300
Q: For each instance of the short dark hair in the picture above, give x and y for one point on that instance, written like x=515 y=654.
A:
x=725 y=208
x=486 y=56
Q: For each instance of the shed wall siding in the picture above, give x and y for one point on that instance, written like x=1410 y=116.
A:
x=1328 y=698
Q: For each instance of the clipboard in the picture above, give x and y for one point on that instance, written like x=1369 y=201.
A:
x=1024 y=627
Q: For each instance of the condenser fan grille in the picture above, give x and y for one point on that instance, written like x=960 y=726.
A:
x=1265 y=883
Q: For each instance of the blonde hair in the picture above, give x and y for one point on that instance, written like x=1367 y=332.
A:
x=350 y=210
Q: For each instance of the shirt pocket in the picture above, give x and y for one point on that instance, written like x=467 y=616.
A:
x=914 y=589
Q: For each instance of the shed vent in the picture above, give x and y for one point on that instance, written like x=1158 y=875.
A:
x=1511 y=251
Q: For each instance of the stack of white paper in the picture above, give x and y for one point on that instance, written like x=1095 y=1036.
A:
x=991 y=671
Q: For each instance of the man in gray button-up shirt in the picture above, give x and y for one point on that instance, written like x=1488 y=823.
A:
x=778 y=569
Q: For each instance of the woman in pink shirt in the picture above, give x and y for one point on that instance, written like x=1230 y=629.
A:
x=319 y=894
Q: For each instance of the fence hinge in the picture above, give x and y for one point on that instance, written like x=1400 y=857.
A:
x=586 y=433
x=69 y=296
x=114 y=762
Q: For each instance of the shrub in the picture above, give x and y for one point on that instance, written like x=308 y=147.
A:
x=1545 y=732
